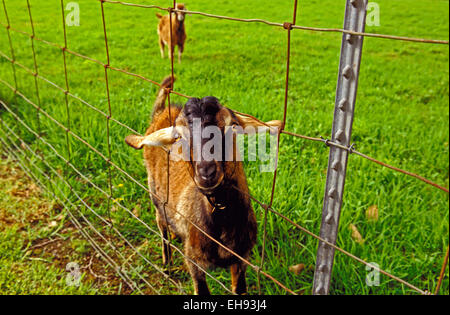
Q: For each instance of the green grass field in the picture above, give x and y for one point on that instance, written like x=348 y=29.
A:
x=401 y=117
x=27 y=221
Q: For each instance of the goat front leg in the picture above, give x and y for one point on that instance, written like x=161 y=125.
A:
x=193 y=261
x=198 y=278
x=166 y=250
x=238 y=283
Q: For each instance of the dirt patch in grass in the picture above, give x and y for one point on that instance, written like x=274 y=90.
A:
x=61 y=251
x=19 y=193
x=50 y=238
x=23 y=207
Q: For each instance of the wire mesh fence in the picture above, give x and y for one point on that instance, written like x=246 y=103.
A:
x=94 y=217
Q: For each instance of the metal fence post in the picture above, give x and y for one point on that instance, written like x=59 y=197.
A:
x=351 y=50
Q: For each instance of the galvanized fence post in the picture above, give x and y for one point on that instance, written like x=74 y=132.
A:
x=351 y=50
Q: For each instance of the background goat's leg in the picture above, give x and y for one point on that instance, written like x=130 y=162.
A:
x=171 y=50
x=238 y=283
x=161 y=46
x=180 y=51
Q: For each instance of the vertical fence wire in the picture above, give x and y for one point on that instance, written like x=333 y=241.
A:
x=82 y=176
x=288 y=27
x=87 y=222
x=167 y=239
x=13 y=56
x=110 y=261
x=108 y=97
x=442 y=273
x=36 y=71
x=66 y=81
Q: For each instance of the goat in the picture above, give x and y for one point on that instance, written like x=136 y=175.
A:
x=178 y=32
x=202 y=193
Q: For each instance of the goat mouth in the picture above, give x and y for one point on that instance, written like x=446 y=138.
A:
x=210 y=189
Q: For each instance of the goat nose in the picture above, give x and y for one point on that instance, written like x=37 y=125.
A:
x=207 y=171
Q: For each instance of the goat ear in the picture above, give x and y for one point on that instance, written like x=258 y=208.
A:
x=159 y=138
x=246 y=121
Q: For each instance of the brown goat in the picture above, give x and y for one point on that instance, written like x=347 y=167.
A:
x=202 y=193
x=178 y=32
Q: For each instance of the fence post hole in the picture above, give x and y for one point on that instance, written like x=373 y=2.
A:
x=347 y=84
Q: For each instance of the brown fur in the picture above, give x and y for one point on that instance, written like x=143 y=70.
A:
x=178 y=32
x=233 y=225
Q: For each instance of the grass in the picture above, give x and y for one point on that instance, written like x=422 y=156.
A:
x=402 y=118
x=27 y=221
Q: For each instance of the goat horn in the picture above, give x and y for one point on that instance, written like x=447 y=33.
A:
x=247 y=120
x=159 y=138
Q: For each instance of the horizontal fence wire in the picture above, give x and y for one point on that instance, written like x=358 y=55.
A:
x=136 y=182
x=94 y=186
x=73 y=219
x=351 y=149
x=55 y=172
x=317 y=139
x=107 y=159
x=297 y=27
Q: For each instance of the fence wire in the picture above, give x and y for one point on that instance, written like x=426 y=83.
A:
x=24 y=154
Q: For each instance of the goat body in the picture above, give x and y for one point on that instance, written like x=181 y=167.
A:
x=207 y=201
x=189 y=211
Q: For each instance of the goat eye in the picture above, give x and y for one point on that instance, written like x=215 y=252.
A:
x=176 y=136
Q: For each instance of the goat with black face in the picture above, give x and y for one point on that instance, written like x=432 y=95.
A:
x=202 y=198
x=206 y=139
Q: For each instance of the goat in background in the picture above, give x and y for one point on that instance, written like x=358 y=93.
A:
x=178 y=32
